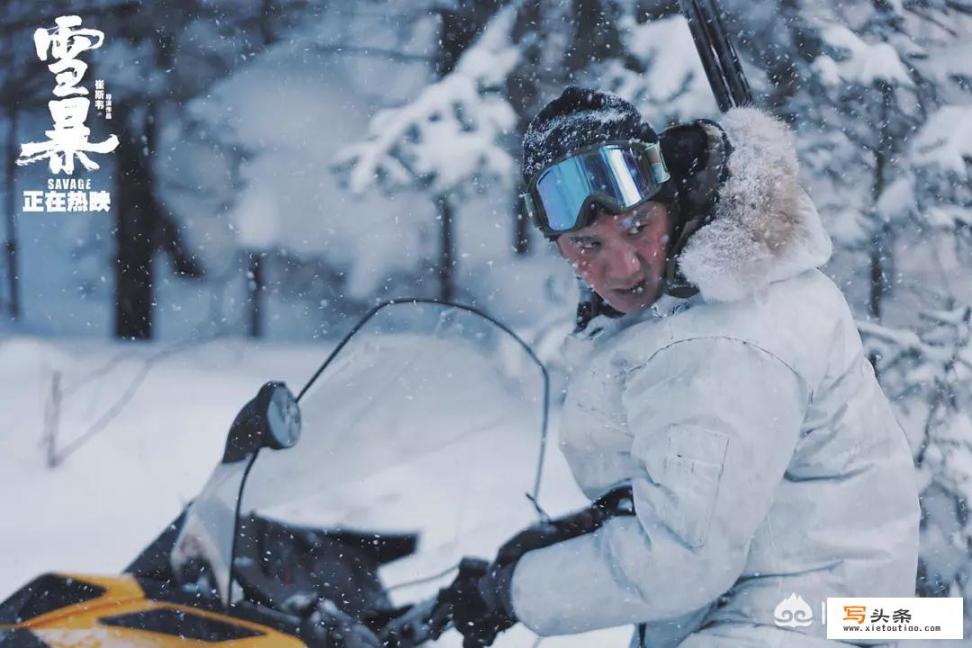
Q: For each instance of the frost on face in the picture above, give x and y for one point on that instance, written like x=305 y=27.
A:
x=69 y=137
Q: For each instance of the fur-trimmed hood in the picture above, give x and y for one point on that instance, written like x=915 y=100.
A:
x=764 y=226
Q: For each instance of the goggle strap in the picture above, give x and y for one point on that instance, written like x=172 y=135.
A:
x=529 y=211
x=658 y=170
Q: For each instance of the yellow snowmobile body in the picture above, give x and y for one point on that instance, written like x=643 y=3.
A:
x=75 y=611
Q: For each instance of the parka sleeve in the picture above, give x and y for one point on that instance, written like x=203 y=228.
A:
x=714 y=422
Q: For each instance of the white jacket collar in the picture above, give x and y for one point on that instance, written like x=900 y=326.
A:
x=765 y=228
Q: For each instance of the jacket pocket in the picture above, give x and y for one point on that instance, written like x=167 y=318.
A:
x=689 y=481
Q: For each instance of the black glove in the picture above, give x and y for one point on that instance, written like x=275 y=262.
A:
x=481 y=597
x=480 y=600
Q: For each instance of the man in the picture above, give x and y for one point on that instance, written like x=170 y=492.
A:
x=729 y=393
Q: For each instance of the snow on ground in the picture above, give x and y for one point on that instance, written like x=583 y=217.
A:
x=96 y=510
x=99 y=507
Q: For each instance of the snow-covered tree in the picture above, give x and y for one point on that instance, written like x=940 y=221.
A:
x=460 y=132
x=927 y=372
x=446 y=141
x=881 y=119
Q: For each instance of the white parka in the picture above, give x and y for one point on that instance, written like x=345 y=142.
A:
x=764 y=458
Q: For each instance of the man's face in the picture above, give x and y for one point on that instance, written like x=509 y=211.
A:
x=621 y=256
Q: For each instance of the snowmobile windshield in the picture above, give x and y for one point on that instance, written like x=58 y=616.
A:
x=422 y=439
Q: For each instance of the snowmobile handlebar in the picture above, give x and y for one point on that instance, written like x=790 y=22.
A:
x=424 y=621
x=428 y=619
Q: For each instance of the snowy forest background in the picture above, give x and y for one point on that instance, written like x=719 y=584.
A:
x=285 y=164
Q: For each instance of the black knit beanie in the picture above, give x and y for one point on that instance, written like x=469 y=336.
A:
x=578 y=118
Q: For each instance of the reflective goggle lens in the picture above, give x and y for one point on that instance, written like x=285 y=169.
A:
x=617 y=175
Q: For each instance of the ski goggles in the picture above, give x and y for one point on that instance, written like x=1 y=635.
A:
x=614 y=175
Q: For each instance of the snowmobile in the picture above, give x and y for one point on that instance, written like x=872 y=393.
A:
x=338 y=517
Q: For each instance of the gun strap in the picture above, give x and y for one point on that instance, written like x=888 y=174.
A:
x=615 y=503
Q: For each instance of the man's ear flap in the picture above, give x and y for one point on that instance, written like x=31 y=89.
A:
x=697 y=156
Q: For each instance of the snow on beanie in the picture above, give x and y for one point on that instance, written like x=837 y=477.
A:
x=578 y=118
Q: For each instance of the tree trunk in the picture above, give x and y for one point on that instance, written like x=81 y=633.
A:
x=595 y=37
x=458 y=28
x=141 y=226
x=446 y=248
x=880 y=260
x=137 y=223
x=882 y=239
x=523 y=90
x=266 y=29
x=10 y=206
x=255 y=279
x=254 y=293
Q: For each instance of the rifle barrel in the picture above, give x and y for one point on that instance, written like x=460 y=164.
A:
x=718 y=56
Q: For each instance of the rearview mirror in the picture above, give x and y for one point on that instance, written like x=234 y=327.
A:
x=283 y=418
x=270 y=420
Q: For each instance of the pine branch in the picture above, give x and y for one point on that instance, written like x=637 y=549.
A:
x=960 y=7
x=354 y=50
